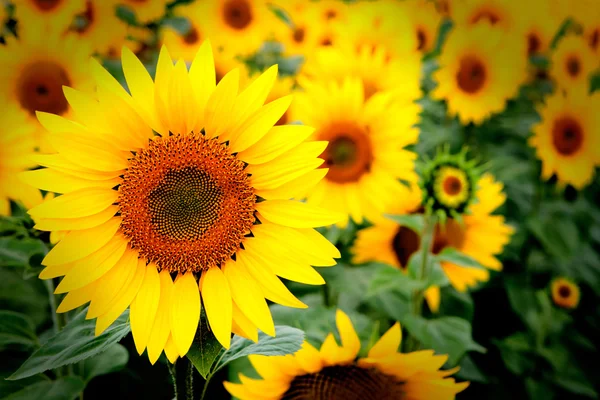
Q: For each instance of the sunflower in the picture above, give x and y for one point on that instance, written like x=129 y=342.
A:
x=568 y=137
x=34 y=69
x=425 y=21
x=147 y=10
x=565 y=293
x=365 y=156
x=572 y=62
x=336 y=373
x=502 y=14
x=43 y=14
x=539 y=32
x=479 y=71
x=100 y=25
x=205 y=199
x=16 y=147
x=238 y=26
x=481 y=236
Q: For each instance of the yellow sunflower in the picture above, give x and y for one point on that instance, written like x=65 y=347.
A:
x=238 y=26
x=101 y=26
x=204 y=199
x=425 y=21
x=588 y=14
x=539 y=32
x=479 y=71
x=44 y=14
x=565 y=293
x=365 y=157
x=336 y=373
x=481 y=236
x=503 y=14
x=568 y=137
x=147 y=10
x=16 y=148
x=34 y=69
x=572 y=62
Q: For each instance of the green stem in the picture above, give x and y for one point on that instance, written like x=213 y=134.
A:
x=189 y=381
x=51 y=299
x=205 y=388
x=173 y=373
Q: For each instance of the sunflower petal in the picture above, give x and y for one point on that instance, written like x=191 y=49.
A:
x=350 y=340
x=77 y=298
x=143 y=308
x=185 y=312
x=220 y=103
x=296 y=214
x=171 y=350
x=74 y=224
x=58 y=182
x=81 y=203
x=162 y=322
x=216 y=296
x=388 y=343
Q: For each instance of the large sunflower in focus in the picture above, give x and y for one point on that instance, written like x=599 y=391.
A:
x=480 y=69
x=100 y=25
x=365 y=156
x=147 y=10
x=568 y=137
x=573 y=61
x=481 y=236
x=36 y=66
x=43 y=14
x=336 y=373
x=198 y=210
x=16 y=148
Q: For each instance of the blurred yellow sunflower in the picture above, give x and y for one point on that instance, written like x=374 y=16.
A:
x=47 y=14
x=204 y=199
x=147 y=10
x=502 y=14
x=565 y=293
x=481 y=236
x=425 y=21
x=36 y=66
x=572 y=62
x=17 y=143
x=336 y=373
x=479 y=71
x=539 y=32
x=568 y=137
x=590 y=20
x=238 y=26
x=100 y=26
x=365 y=157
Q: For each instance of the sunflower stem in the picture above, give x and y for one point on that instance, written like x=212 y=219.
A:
x=205 y=388
x=173 y=372
x=189 y=381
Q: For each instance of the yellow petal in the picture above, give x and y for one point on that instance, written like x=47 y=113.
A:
x=54 y=271
x=249 y=298
x=138 y=80
x=111 y=284
x=79 y=244
x=104 y=79
x=92 y=267
x=297 y=214
x=203 y=79
x=85 y=109
x=61 y=164
x=242 y=326
x=254 y=96
x=123 y=299
x=277 y=141
x=309 y=358
x=89 y=152
x=73 y=224
x=297 y=188
x=388 y=343
x=220 y=103
x=143 y=308
x=350 y=340
x=58 y=182
x=82 y=203
x=185 y=312
x=217 y=304
x=162 y=322
x=77 y=298
x=433 y=297
x=171 y=350
x=57 y=124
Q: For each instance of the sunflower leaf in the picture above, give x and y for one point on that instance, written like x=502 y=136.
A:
x=76 y=342
x=451 y=255
x=60 y=389
x=412 y=221
x=16 y=329
x=112 y=360
x=287 y=340
x=205 y=348
x=388 y=278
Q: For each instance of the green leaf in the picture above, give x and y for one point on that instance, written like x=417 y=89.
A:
x=412 y=221
x=388 y=278
x=61 y=389
x=576 y=383
x=281 y=14
x=205 y=348
x=112 y=360
x=445 y=335
x=126 y=14
x=16 y=329
x=517 y=353
x=17 y=252
x=470 y=372
x=538 y=390
x=557 y=233
x=451 y=255
x=180 y=24
x=287 y=340
x=74 y=343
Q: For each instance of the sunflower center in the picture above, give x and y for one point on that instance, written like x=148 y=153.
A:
x=186 y=203
x=452 y=185
x=567 y=136
x=595 y=39
x=192 y=37
x=450 y=235
x=39 y=88
x=237 y=13
x=421 y=39
x=471 y=75
x=533 y=44
x=348 y=154
x=406 y=242
x=564 y=291
x=330 y=14
x=485 y=15
x=299 y=34
x=345 y=382
x=46 y=5
x=573 y=66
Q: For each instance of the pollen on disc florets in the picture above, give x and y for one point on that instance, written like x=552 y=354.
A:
x=449 y=183
x=186 y=202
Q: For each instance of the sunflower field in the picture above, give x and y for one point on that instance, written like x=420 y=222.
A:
x=299 y=199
